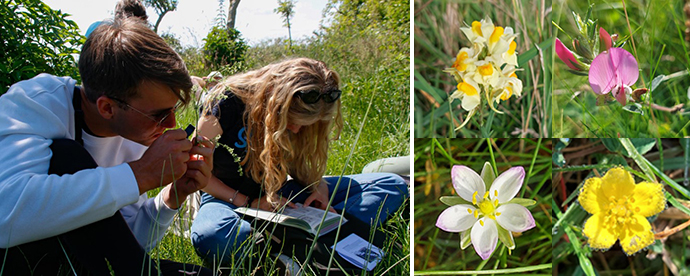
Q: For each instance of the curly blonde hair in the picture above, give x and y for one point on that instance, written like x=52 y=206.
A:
x=270 y=105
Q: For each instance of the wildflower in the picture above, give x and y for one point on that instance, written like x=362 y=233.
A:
x=619 y=208
x=479 y=32
x=468 y=93
x=482 y=216
x=478 y=68
x=614 y=71
x=568 y=57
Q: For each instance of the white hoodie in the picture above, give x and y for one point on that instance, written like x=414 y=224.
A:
x=35 y=205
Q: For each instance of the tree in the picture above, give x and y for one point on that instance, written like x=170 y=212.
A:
x=286 y=10
x=162 y=7
x=232 y=12
x=36 y=39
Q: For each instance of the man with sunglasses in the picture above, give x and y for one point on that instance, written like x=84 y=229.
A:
x=77 y=161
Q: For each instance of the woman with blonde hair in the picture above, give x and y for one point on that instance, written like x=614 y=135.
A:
x=275 y=122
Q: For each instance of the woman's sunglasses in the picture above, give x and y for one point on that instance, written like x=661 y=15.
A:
x=313 y=96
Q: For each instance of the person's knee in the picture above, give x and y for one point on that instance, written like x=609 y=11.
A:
x=222 y=242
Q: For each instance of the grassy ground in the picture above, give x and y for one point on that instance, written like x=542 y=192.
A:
x=659 y=160
x=438 y=252
x=659 y=43
x=436 y=43
x=372 y=130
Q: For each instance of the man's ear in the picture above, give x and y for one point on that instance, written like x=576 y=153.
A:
x=105 y=106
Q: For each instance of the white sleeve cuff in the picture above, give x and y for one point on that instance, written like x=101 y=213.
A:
x=165 y=213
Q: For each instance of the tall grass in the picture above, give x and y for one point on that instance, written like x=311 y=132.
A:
x=655 y=160
x=438 y=252
x=661 y=49
x=437 y=41
x=374 y=72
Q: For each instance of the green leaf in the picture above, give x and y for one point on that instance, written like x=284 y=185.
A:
x=505 y=237
x=635 y=154
x=453 y=200
x=634 y=108
x=641 y=145
x=531 y=53
x=656 y=81
x=488 y=175
x=668 y=180
x=465 y=240
x=522 y=201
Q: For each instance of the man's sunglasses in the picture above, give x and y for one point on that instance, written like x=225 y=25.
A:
x=313 y=96
x=158 y=118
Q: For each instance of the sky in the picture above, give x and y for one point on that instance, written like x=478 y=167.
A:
x=193 y=19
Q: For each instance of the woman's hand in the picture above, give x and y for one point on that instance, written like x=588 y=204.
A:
x=262 y=203
x=319 y=197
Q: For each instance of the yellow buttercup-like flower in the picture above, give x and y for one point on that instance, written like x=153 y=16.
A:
x=619 y=208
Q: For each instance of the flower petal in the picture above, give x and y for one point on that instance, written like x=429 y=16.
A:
x=636 y=235
x=599 y=237
x=605 y=38
x=514 y=217
x=612 y=68
x=592 y=197
x=484 y=237
x=466 y=182
x=648 y=199
x=507 y=185
x=625 y=66
x=617 y=182
x=566 y=55
x=456 y=218
x=602 y=76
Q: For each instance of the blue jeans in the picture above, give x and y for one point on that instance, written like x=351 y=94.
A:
x=218 y=233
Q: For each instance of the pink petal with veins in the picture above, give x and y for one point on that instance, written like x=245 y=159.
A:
x=615 y=67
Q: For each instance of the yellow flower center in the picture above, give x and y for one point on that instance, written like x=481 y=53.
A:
x=511 y=48
x=460 y=61
x=620 y=212
x=477 y=28
x=488 y=207
x=467 y=89
x=513 y=75
x=506 y=96
x=496 y=35
x=486 y=70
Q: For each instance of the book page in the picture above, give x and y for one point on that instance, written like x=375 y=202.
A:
x=359 y=252
x=310 y=215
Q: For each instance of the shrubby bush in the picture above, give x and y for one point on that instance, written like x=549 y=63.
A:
x=224 y=47
x=36 y=39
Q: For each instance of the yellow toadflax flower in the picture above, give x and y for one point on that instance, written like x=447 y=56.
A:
x=619 y=209
x=485 y=71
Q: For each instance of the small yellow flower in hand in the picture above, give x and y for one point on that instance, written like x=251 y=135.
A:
x=619 y=208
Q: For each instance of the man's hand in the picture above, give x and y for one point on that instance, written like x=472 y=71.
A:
x=165 y=158
x=319 y=197
x=196 y=177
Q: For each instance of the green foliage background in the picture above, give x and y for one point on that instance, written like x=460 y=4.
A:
x=36 y=39
x=224 y=47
